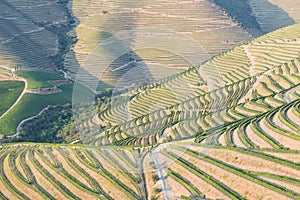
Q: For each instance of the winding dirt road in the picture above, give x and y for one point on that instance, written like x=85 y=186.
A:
x=26 y=120
x=286 y=95
x=16 y=78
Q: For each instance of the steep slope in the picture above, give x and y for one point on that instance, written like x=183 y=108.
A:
x=201 y=24
x=199 y=100
x=38 y=171
x=32 y=33
x=291 y=7
x=257 y=16
x=225 y=129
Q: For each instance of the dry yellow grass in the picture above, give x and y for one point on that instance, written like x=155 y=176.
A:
x=252 y=163
x=248 y=189
x=236 y=139
x=17 y=183
x=19 y=167
x=116 y=171
x=107 y=186
x=43 y=182
x=284 y=184
x=6 y=192
x=204 y=187
x=285 y=141
x=68 y=168
x=75 y=190
x=256 y=139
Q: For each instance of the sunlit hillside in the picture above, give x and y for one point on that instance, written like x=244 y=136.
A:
x=149 y=100
x=204 y=23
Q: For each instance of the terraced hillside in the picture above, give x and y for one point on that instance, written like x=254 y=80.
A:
x=31 y=33
x=243 y=124
x=289 y=6
x=201 y=22
x=253 y=79
x=227 y=128
x=257 y=16
x=182 y=137
x=35 y=171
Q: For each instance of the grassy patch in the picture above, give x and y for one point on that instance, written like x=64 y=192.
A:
x=38 y=79
x=32 y=104
x=9 y=93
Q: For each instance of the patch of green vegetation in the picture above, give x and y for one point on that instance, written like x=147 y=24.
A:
x=32 y=104
x=45 y=127
x=9 y=93
x=37 y=79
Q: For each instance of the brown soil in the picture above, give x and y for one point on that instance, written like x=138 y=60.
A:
x=256 y=139
x=246 y=188
x=15 y=181
x=236 y=139
x=148 y=175
x=65 y=182
x=53 y=90
x=10 y=78
x=43 y=181
x=106 y=185
x=286 y=141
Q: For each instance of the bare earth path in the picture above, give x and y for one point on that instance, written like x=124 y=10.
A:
x=287 y=97
x=21 y=95
x=251 y=70
x=16 y=78
x=25 y=120
x=159 y=167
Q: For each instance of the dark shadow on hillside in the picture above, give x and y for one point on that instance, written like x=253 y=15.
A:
x=83 y=89
x=273 y=17
x=35 y=35
x=128 y=68
x=241 y=12
x=117 y=65
x=32 y=41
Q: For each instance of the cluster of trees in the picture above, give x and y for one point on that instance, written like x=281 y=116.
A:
x=57 y=124
x=65 y=41
x=45 y=127
x=103 y=100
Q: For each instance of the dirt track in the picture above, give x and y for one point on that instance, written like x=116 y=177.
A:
x=21 y=95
